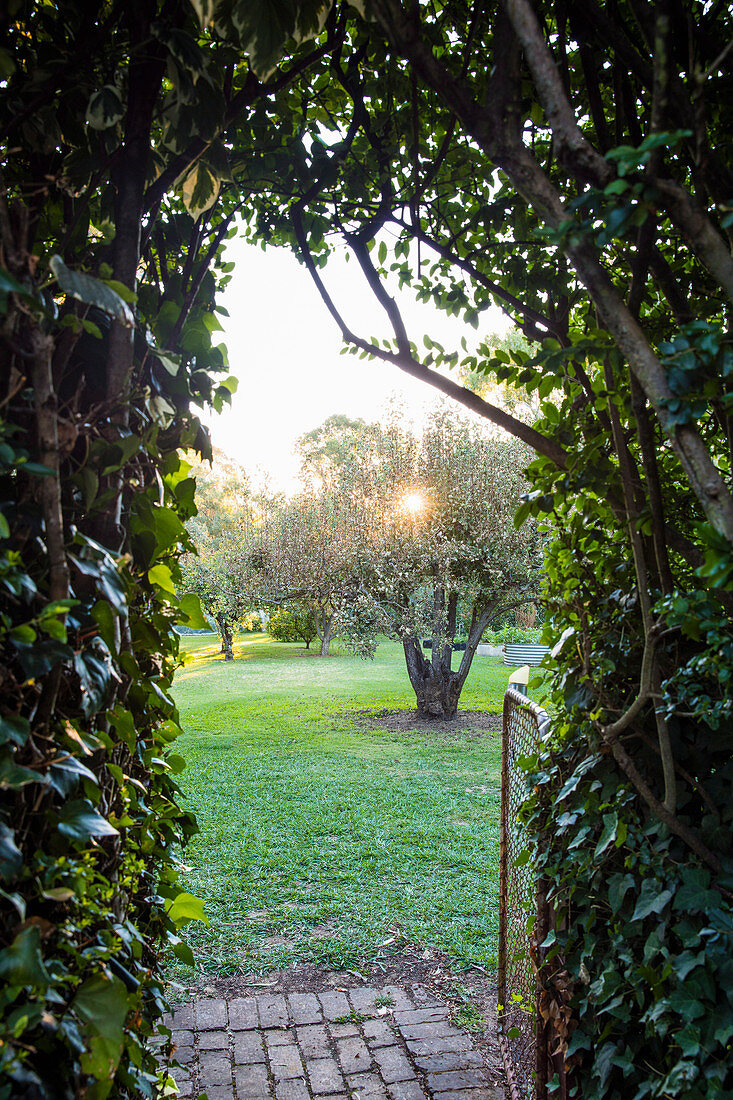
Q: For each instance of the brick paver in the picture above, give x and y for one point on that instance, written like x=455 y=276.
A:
x=273 y=1011
x=292 y=1090
x=334 y=1005
x=392 y=1046
x=211 y=1015
x=286 y=1063
x=393 y=1064
x=252 y=1083
x=215 y=1068
x=243 y=1015
x=368 y=1086
x=305 y=1008
x=324 y=1076
x=248 y=1049
x=406 y=1090
x=363 y=1000
x=379 y=1033
x=353 y=1054
x=213 y=1040
x=312 y=1040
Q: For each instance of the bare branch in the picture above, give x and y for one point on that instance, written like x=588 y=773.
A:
x=571 y=142
x=406 y=362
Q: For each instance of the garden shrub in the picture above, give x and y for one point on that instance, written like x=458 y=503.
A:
x=293 y=623
x=640 y=958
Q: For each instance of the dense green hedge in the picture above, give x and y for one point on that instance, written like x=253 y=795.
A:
x=639 y=964
x=100 y=379
x=89 y=816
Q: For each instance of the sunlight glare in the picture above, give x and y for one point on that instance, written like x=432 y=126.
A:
x=414 y=503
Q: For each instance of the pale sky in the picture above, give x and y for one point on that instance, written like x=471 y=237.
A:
x=284 y=349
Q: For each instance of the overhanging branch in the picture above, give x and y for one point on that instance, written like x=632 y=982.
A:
x=407 y=362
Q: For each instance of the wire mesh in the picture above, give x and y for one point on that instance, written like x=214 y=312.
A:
x=523 y=726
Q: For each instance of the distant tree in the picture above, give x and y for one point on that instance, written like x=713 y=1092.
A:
x=295 y=622
x=300 y=549
x=222 y=497
x=437 y=554
x=325 y=450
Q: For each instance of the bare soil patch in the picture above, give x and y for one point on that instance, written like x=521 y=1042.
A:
x=470 y=723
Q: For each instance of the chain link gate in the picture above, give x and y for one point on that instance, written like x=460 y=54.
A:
x=523 y=1044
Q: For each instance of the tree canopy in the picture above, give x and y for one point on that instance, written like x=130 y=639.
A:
x=436 y=555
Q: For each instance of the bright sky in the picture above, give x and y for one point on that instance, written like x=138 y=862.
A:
x=284 y=349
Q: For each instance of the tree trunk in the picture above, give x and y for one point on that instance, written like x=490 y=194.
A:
x=226 y=637
x=324 y=629
x=437 y=689
x=437 y=695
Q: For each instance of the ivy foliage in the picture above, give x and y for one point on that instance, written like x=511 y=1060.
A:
x=116 y=200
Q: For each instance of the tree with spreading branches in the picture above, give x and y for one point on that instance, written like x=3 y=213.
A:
x=436 y=557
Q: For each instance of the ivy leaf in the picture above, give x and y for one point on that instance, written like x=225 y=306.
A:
x=105 y=108
x=79 y=820
x=651 y=899
x=104 y=617
x=22 y=963
x=11 y=858
x=85 y=288
x=610 y=827
x=14 y=776
x=176 y=763
x=182 y=950
x=191 y=613
x=40 y=658
x=66 y=772
x=618 y=887
x=13 y=728
x=185 y=907
x=161 y=576
x=688 y=1006
x=168 y=529
x=94 y=669
x=102 y=1004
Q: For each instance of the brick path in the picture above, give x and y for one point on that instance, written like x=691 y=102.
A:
x=365 y=1044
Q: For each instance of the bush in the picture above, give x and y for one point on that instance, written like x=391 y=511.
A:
x=293 y=623
x=253 y=622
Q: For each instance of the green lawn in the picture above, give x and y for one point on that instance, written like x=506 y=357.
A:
x=320 y=837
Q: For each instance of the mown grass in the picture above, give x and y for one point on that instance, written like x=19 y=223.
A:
x=322 y=838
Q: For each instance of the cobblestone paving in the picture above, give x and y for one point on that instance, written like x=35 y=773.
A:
x=365 y=1044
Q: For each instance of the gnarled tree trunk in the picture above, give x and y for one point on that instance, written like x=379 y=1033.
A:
x=436 y=690
x=437 y=687
x=226 y=637
x=324 y=627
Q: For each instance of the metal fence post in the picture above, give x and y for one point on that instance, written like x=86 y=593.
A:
x=521 y=1034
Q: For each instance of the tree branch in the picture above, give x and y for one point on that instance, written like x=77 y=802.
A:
x=407 y=362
